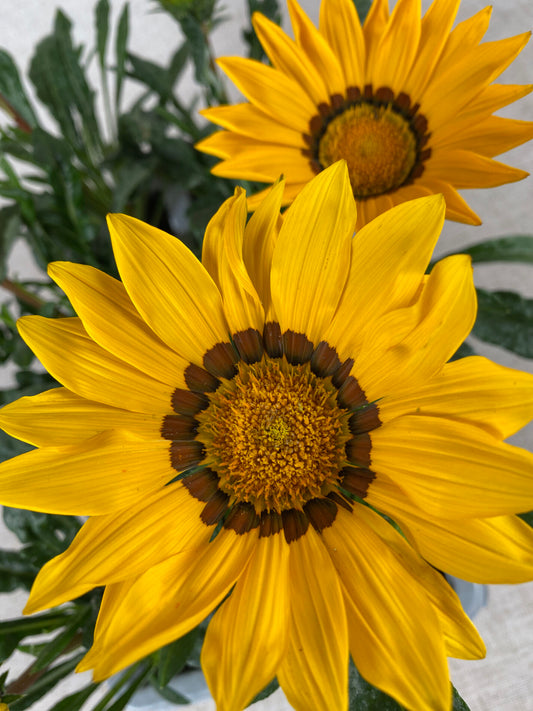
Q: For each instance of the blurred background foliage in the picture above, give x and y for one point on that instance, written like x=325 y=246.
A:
x=57 y=184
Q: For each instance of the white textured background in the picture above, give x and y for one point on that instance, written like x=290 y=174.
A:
x=504 y=680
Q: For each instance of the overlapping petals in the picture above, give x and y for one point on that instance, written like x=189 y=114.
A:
x=297 y=591
x=437 y=78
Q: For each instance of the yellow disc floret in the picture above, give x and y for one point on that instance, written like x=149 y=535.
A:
x=275 y=435
x=376 y=142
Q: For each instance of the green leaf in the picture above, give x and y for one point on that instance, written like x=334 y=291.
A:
x=74 y=702
x=505 y=319
x=101 y=19
x=56 y=646
x=514 y=248
x=527 y=517
x=45 y=682
x=362 y=7
x=267 y=691
x=170 y=694
x=464 y=350
x=15 y=572
x=120 y=51
x=10 y=227
x=172 y=658
x=12 y=92
x=62 y=86
x=365 y=697
x=269 y=8
x=48 y=529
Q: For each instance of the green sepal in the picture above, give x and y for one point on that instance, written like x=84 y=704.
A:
x=267 y=691
x=365 y=697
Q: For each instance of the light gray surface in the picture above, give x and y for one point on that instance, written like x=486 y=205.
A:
x=504 y=680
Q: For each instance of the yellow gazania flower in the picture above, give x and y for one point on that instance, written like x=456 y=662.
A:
x=233 y=426
x=407 y=103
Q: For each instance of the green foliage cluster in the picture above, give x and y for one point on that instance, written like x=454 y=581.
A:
x=56 y=186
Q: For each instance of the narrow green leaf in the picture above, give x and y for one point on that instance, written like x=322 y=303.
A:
x=513 y=248
x=56 y=646
x=173 y=657
x=168 y=693
x=10 y=229
x=74 y=702
x=101 y=20
x=12 y=92
x=120 y=51
x=269 y=8
x=43 y=684
x=36 y=624
x=121 y=702
x=505 y=319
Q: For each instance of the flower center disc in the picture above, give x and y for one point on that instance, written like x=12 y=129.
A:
x=275 y=435
x=377 y=144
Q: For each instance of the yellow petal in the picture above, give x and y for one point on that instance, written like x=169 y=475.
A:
x=58 y=417
x=460 y=635
x=389 y=257
x=453 y=469
x=318 y=53
x=253 y=123
x=77 y=362
x=270 y=90
x=260 y=237
x=456 y=207
x=464 y=37
x=386 y=606
x=316 y=664
x=454 y=87
x=374 y=27
x=490 y=550
x=289 y=58
x=111 y=320
x=489 y=138
x=339 y=24
x=397 y=47
x=166 y=602
x=223 y=259
x=260 y=160
x=103 y=474
x=312 y=255
x=434 y=30
x=111 y=548
x=493 y=97
x=474 y=390
x=445 y=313
x=465 y=169
x=171 y=290
x=247 y=637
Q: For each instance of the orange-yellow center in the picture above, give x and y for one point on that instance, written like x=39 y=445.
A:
x=275 y=435
x=377 y=144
